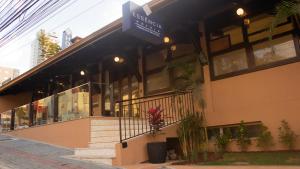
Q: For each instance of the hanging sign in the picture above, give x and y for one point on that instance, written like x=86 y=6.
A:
x=138 y=22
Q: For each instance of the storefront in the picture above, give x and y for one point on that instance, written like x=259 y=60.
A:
x=231 y=59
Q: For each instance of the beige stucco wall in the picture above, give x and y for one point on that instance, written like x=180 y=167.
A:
x=71 y=134
x=269 y=96
x=136 y=152
x=8 y=102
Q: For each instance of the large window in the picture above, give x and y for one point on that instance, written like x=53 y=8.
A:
x=22 y=117
x=44 y=111
x=235 y=49
x=73 y=103
x=6 y=120
x=157 y=73
x=253 y=130
x=163 y=72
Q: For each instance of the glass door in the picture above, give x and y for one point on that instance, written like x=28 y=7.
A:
x=119 y=87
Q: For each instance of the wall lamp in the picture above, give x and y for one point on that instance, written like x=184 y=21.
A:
x=82 y=73
x=167 y=39
x=241 y=12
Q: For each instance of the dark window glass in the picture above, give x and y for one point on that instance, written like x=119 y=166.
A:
x=212 y=133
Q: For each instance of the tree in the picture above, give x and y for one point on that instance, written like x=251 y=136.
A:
x=47 y=46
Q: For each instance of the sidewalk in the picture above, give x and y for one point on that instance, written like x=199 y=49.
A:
x=167 y=166
x=25 y=154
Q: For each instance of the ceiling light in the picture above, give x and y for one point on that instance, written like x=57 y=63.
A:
x=82 y=73
x=240 y=12
x=118 y=59
x=166 y=39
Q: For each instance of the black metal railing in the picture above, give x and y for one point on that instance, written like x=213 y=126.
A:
x=134 y=117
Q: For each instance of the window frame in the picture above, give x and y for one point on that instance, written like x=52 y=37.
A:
x=161 y=68
x=248 y=46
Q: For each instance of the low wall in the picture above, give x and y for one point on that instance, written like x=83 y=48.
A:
x=71 y=134
x=136 y=151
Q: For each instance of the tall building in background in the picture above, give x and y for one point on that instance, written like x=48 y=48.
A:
x=7 y=74
x=35 y=53
x=36 y=57
x=66 y=38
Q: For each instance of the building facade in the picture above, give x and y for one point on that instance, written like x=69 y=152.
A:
x=109 y=80
x=7 y=74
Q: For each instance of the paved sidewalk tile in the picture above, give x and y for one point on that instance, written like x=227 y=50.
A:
x=25 y=154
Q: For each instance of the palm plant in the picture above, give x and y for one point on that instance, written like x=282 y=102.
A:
x=191 y=136
x=285 y=9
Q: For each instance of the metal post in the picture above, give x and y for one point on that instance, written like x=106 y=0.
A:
x=55 y=108
x=120 y=120
x=12 y=122
x=90 y=99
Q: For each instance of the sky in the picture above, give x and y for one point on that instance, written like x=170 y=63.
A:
x=83 y=17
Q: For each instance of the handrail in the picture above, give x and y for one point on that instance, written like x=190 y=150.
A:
x=154 y=95
x=133 y=117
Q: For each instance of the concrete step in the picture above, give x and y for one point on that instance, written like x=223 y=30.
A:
x=93 y=159
x=100 y=152
x=102 y=144
x=105 y=139
x=115 y=122
x=116 y=128
x=107 y=161
x=105 y=133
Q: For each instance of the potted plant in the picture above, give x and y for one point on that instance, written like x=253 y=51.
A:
x=157 y=151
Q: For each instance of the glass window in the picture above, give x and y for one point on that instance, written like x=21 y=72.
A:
x=235 y=34
x=135 y=94
x=212 y=133
x=6 y=121
x=183 y=50
x=73 y=103
x=158 y=81
x=259 y=27
x=156 y=60
x=254 y=130
x=22 y=117
x=44 y=110
x=225 y=38
x=275 y=50
x=230 y=62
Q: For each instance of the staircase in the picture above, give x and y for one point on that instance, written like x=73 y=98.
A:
x=105 y=134
x=104 y=137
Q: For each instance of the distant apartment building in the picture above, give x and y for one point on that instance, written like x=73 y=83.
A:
x=7 y=74
x=66 y=38
x=36 y=49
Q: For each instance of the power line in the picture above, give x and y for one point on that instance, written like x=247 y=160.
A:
x=72 y=18
x=33 y=11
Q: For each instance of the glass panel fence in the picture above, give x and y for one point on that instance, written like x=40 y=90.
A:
x=43 y=111
x=96 y=99
x=73 y=103
x=5 y=121
x=22 y=117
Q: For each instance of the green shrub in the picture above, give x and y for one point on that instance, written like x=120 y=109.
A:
x=265 y=138
x=287 y=137
x=243 y=139
x=223 y=140
x=191 y=136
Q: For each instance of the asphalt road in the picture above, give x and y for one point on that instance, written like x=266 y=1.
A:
x=24 y=154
